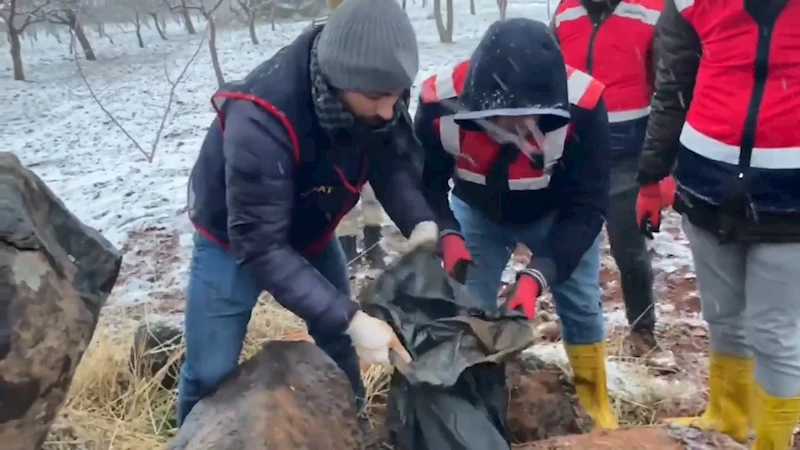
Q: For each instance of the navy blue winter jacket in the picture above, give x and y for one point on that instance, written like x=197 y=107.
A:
x=272 y=185
x=520 y=59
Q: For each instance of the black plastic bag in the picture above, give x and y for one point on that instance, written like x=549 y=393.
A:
x=453 y=395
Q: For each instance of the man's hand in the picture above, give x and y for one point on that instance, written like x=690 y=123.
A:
x=667 y=187
x=649 y=204
x=524 y=295
x=425 y=234
x=374 y=339
x=455 y=257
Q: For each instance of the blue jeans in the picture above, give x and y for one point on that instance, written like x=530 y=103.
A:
x=219 y=301
x=577 y=299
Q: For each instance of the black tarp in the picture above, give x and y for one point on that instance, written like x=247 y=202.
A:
x=453 y=394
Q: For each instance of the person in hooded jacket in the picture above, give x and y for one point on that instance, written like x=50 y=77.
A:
x=524 y=139
x=291 y=148
x=725 y=121
x=589 y=33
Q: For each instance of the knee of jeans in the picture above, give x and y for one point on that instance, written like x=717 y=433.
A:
x=202 y=377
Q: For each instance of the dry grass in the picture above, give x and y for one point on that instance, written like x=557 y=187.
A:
x=110 y=407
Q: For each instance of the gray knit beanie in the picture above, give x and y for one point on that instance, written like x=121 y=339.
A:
x=369 y=46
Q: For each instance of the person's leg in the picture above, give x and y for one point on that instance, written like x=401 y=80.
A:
x=332 y=264
x=629 y=250
x=219 y=301
x=578 y=304
x=490 y=245
x=373 y=221
x=720 y=271
x=772 y=320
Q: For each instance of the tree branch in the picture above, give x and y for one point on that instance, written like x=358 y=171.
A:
x=148 y=155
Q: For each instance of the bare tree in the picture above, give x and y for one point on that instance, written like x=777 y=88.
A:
x=66 y=13
x=207 y=11
x=502 y=5
x=472 y=7
x=251 y=9
x=182 y=7
x=160 y=24
x=445 y=29
x=17 y=16
x=149 y=154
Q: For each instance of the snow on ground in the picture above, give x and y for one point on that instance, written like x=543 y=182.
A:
x=57 y=129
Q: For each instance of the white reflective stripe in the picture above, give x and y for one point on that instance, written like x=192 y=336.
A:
x=450 y=135
x=529 y=184
x=625 y=116
x=763 y=158
x=445 y=88
x=683 y=4
x=570 y=14
x=472 y=177
x=637 y=12
x=522 y=184
x=577 y=84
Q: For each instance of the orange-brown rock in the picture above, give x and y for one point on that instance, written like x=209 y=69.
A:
x=288 y=396
x=55 y=276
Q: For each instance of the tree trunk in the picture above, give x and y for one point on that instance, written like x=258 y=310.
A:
x=158 y=26
x=84 y=41
x=445 y=29
x=472 y=7
x=502 y=5
x=16 y=53
x=272 y=18
x=212 y=49
x=252 y=27
x=187 y=21
x=138 y=24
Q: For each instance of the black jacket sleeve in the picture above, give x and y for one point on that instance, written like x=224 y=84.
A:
x=438 y=167
x=259 y=171
x=397 y=180
x=585 y=185
x=676 y=54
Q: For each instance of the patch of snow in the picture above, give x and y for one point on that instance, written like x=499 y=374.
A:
x=627 y=381
x=55 y=127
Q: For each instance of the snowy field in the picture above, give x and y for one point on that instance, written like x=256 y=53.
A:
x=53 y=124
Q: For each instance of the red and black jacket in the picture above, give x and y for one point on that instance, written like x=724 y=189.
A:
x=570 y=176
x=725 y=116
x=272 y=185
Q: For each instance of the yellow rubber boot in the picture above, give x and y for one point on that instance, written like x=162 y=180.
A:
x=775 y=420
x=729 y=411
x=589 y=366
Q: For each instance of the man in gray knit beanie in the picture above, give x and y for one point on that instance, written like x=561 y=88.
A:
x=292 y=146
x=369 y=46
x=367 y=51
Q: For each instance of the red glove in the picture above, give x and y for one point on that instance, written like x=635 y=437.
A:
x=667 y=186
x=524 y=296
x=648 y=209
x=455 y=256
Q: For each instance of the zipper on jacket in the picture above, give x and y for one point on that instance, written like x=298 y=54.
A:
x=595 y=28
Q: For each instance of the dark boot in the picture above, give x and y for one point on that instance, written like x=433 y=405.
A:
x=372 y=242
x=349 y=247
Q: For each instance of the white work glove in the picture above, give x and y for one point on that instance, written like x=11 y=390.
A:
x=373 y=339
x=425 y=234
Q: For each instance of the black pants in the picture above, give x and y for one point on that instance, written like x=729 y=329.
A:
x=629 y=250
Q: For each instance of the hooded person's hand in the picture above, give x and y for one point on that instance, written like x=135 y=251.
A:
x=374 y=340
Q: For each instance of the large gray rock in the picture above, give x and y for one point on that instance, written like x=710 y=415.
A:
x=289 y=396
x=55 y=275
